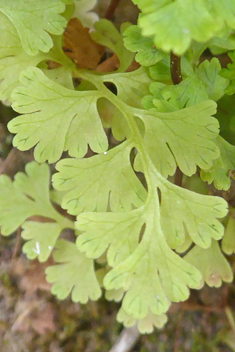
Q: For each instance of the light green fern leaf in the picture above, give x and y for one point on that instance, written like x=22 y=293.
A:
x=171 y=98
x=131 y=86
x=57 y=196
x=219 y=172
x=114 y=295
x=205 y=83
x=41 y=238
x=13 y=58
x=27 y=196
x=223 y=43
x=15 y=207
x=34 y=22
x=211 y=263
x=142 y=267
x=99 y=182
x=21 y=199
x=174 y=24
x=145 y=325
x=154 y=272
x=35 y=182
x=57 y=54
x=118 y=232
x=208 y=73
x=223 y=11
x=186 y=138
x=229 y=73
x=228 y=241
x=73 y=274
x=60 y=75
x=147 y=54
x=191 y=213
x=150 y=270
x=106 y=34
x=55 y=118
x=160 y=72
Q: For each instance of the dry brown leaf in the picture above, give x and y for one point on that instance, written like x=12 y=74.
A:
x=109 y=65
x=79 y=46
x=35 y=278
x=112 y=64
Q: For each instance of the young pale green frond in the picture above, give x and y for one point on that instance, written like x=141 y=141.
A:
x=146 y=53
x=204 y=84
x=229 y=73
x=160 y=72
x=106 y=34
x=223 y=43
x=102 y=181
x=35 y=22
x=208 y=73
x=228 y=241
x=13 y=59
x=219 y=172
x=41 y=238
x=186 y=138
x=55 y=118
x=73 y=274
x=166 y=98
x=145 y=325
x=174 y=24
x=191 y=213
x=211 y=263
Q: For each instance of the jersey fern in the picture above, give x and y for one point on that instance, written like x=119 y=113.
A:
x=127 y=207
